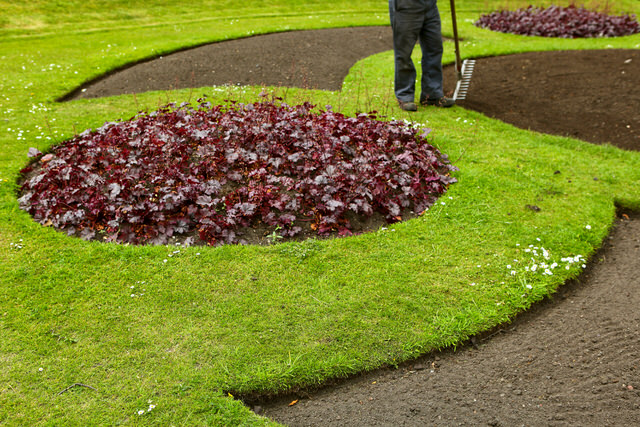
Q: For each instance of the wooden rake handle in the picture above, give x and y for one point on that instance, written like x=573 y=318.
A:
x=455 y=38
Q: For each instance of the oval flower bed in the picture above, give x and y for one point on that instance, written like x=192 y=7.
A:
x=234 y=174
x=556 y=21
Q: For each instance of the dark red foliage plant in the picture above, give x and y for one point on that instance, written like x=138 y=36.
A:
x=556 y=21
x=207 y=174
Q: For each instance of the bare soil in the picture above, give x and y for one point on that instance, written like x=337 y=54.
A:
x=589 y=95
x=572 y=359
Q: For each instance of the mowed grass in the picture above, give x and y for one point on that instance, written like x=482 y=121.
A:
x=167 y=335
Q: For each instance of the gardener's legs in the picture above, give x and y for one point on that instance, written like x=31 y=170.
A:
x=406 y=30
x=431 y=45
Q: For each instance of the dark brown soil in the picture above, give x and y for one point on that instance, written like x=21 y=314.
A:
x=573 y=359
x=590 y=95
x=317 y=59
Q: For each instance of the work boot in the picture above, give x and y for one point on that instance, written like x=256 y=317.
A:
x=443 y=102
x=408 y=105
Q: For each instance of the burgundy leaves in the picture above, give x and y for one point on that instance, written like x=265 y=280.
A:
x=564 y=22
x=208 y=173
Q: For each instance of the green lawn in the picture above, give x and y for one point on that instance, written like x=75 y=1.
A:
x=182 y=328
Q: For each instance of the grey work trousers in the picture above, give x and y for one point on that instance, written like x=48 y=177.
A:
x=409 y=26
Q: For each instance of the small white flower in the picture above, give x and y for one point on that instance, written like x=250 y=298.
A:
x=40 y=369
x=141 y=412
x=513 y=272
x=529 y=287
x=509 y=266
x=588 y=227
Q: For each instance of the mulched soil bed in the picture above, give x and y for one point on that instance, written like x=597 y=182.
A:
x=571 y=360
x=589 y=95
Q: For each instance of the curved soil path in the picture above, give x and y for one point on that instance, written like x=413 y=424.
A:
x=571 y=360
x=318 y=59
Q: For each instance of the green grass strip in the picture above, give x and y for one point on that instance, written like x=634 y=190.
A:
x=181 y=330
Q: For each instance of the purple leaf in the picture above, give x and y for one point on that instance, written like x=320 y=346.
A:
x=34 y=152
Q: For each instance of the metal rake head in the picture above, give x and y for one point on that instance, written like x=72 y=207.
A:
x=462 y=86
